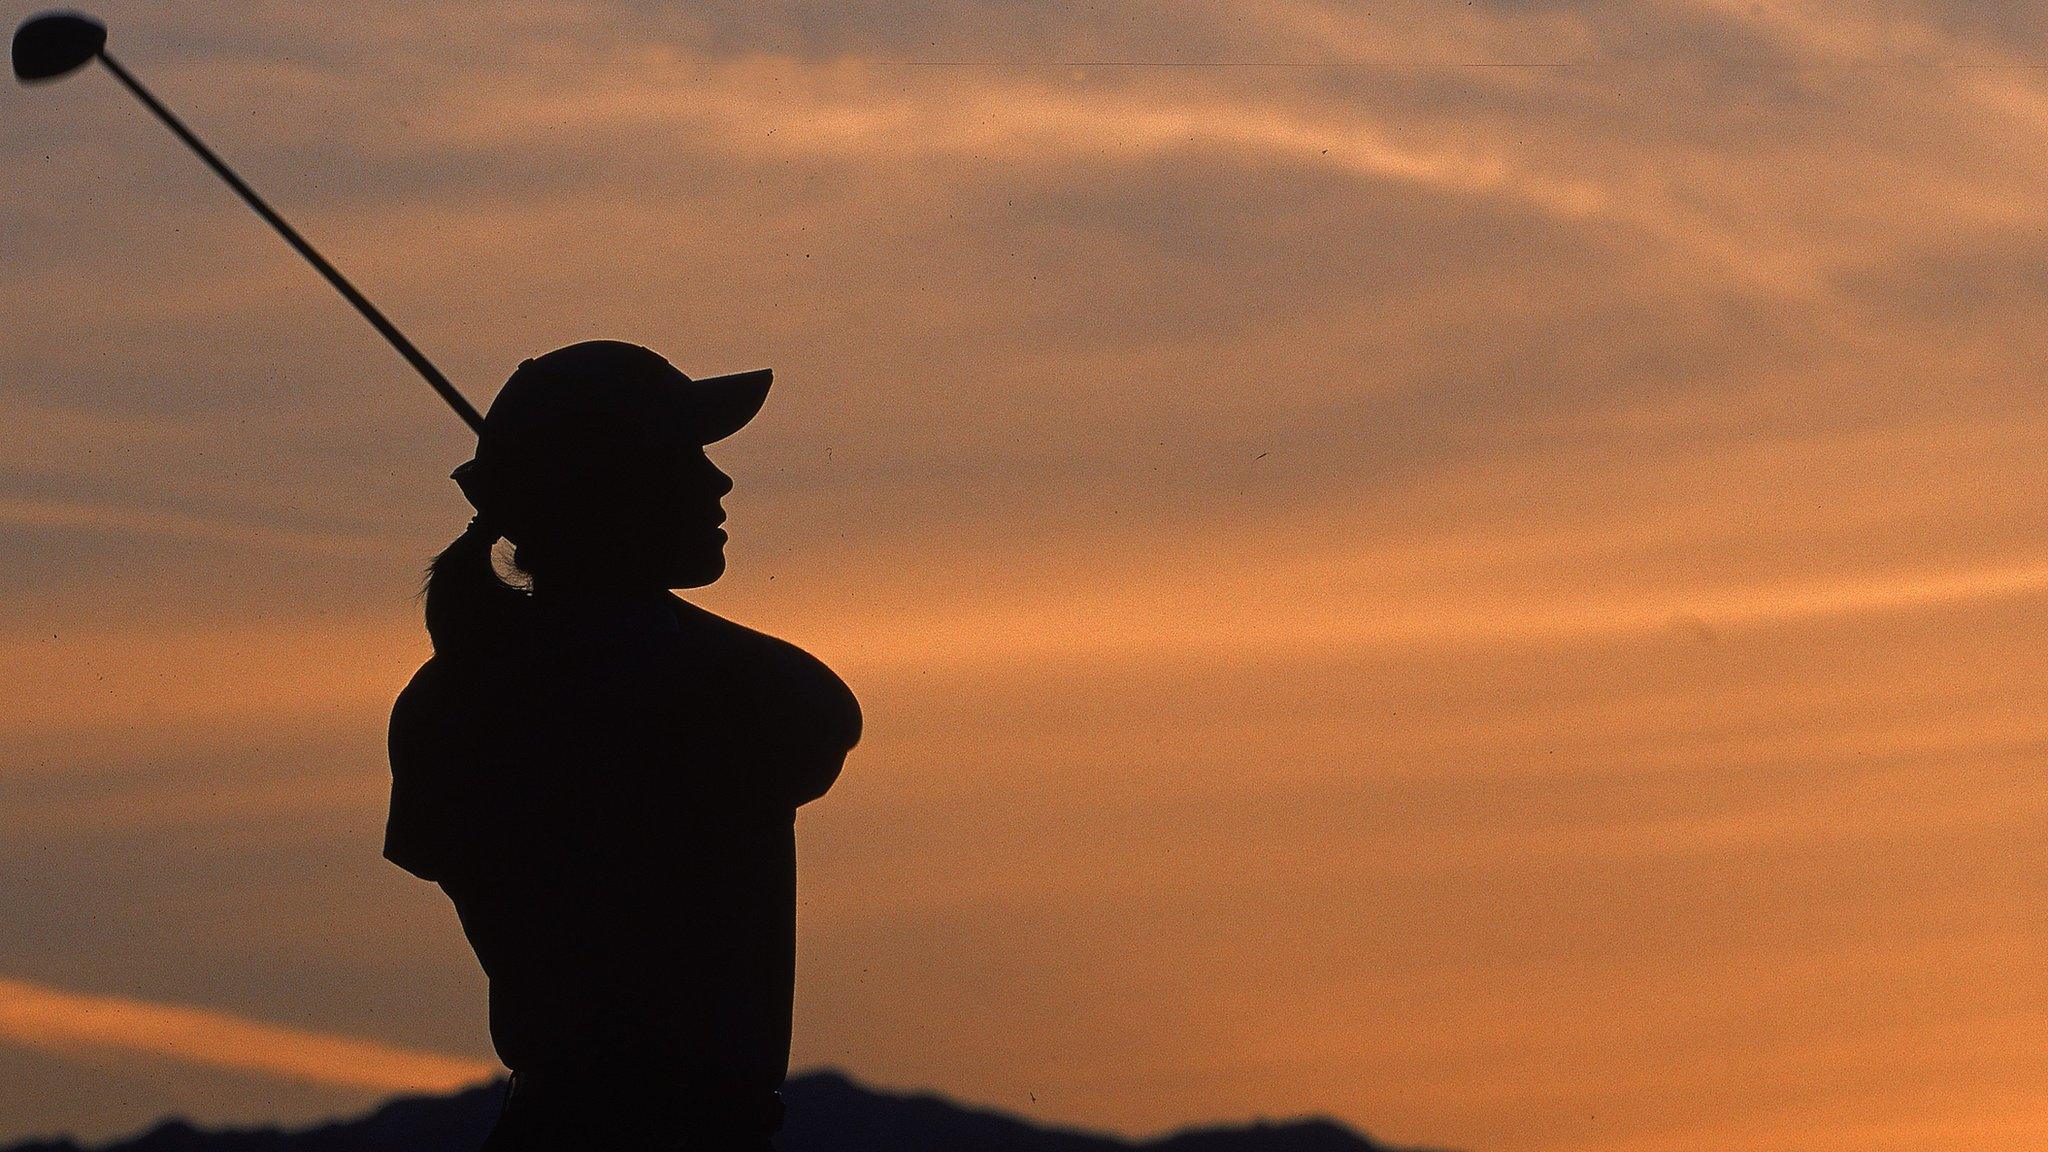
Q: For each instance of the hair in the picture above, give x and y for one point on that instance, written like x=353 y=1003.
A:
x=470 y=610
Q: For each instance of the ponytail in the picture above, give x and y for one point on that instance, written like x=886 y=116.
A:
x=469 y=609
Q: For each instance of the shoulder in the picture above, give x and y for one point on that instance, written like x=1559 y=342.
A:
x=419 y=716
x=777 y=667
x=428 y=686
x=439 y=704
x=430 y=679
x=439 y=686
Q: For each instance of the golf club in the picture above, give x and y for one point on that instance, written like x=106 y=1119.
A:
x=56 y=44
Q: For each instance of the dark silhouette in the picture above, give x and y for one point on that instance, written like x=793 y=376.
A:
x=604 y=777
x=828 y=1113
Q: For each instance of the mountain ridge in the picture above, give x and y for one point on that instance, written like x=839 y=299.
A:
x=829 y=1111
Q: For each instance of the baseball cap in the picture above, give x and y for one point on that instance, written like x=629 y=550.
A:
x=589 y=416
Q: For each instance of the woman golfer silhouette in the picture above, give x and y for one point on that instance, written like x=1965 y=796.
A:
x=603 y=777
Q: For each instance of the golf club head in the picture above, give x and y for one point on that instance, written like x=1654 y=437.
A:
x=55 y=44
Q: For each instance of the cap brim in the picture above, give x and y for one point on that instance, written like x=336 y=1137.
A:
x=721 y=405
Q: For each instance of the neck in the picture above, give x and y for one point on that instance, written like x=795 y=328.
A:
x=597 y=588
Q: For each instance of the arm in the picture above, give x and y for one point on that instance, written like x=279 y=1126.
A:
x=797 y=719
x=422 y=753
x=458 y=809
x=824 y=729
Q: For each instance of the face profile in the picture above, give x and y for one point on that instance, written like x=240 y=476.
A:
x=685 y=525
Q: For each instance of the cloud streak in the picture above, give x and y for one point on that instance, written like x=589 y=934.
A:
x=39 y=1016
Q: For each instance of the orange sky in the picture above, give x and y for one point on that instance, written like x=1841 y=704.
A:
x=1476 y=569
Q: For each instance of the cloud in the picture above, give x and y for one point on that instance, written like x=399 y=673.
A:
x=38 y=1016
x=23 y=513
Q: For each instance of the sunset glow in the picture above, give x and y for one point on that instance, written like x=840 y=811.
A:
x=1474 y=568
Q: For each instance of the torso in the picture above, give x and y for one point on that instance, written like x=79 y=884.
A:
x=612 y=811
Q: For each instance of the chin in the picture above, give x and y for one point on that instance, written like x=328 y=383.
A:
x=698 y=571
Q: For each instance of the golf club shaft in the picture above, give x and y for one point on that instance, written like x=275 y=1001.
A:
x=413 y=356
